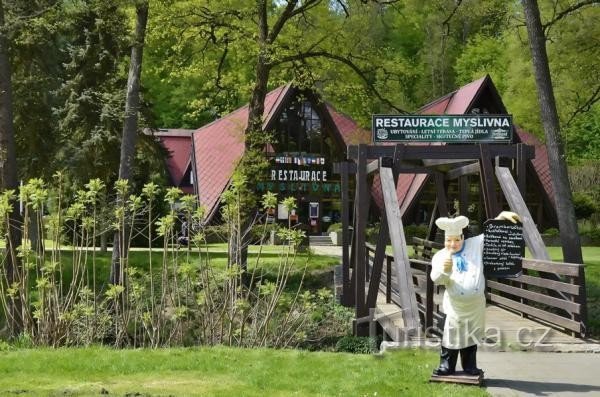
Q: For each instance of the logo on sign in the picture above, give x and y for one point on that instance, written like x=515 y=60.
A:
x=382 y=133
x=499 y=133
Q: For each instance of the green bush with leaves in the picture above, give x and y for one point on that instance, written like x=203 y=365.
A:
x=55 y=297
x=334 y=227
x=356 y=344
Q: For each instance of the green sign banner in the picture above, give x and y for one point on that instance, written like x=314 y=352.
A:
x=468 y=128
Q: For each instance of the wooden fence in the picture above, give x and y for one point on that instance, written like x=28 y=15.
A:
x=558 y=301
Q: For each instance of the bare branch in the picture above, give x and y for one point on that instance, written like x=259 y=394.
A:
x=346 y=61
x=586 y=106
x=288 y=13
x=567 y=11
x=447 y=20
x=220 y=67
x=344 y=8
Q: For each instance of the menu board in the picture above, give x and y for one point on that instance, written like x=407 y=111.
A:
x=503 y=248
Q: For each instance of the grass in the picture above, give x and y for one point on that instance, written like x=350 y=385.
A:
x=269 y=262
x=220 y=371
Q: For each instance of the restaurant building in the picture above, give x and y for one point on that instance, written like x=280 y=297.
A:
x=309 y=136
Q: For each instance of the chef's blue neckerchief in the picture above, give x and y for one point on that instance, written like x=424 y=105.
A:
x=459 y=260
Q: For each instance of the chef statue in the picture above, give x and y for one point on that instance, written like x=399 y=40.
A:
x=459 y=268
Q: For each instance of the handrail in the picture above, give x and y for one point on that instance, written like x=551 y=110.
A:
x=527 y=294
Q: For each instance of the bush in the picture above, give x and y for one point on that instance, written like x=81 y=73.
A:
x=584 y=205
x=413 y=230
x=593 y=234
x=551 y=232
x=356 y=344
x=334 y=227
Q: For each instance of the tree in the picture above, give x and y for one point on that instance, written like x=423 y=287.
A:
x=563 y=198
x=130 y=127
x=8 y=164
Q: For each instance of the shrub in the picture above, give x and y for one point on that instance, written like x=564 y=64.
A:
x=584 y=205
x=413 y=230
x=551 y=232
x=356 y=344
x=334 y=227
x=593 y=234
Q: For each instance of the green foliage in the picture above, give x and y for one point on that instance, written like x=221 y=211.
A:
x=356 y=344
x=584 y=204
x=166 y=298
x=551 y=232
x=411 y=231
x=334 y=227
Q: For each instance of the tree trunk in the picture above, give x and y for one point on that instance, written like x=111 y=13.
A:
x=558 y=167
x=256 y=108
x=130 y=125
x=8 y=165
x=253 y=133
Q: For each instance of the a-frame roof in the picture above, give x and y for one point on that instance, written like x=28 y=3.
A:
x=463 y=100
x=177 y=142
x=219 y=146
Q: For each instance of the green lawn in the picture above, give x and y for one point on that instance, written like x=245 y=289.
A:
x=220 y=371
x=270 y=258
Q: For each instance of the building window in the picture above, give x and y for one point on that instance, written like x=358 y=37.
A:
x=300 y=129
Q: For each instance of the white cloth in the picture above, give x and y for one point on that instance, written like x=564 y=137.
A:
x=464 y=298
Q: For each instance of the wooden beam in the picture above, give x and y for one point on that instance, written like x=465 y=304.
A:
x=378 y=259
x=441 y=194
x=532 y=236
x=463 y=187
x=360 y=232
x=432 y=229
x=383 y=237
x=436 y=162
x=448 y=152
x=401 y=261
x=468 y=169
x=372 y=166
x=521 y=165
x=487 y=181
x=346 y=286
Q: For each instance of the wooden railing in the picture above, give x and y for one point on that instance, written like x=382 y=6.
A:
x=559 y=301
x=426 y=293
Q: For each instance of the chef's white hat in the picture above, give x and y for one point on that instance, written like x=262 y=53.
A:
x=452 y=226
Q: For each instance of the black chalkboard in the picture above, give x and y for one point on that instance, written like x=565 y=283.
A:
x=503 y=248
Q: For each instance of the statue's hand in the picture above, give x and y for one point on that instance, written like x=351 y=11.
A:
x=448 y=264
x=509 y=216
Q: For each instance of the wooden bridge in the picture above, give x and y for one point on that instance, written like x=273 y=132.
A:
x=542 y=308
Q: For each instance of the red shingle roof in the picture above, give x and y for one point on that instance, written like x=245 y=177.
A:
x=219 y=146
x=350 y=132
x=459 y=102
x=178 y=143
x=540 y=162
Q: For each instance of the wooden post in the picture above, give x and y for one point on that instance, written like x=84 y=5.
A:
x=442 y=202
x=521 y=168
x=463 y=186
x=383 y=237
x=359 y=240
x=388 y=285
x=487 y=182
x=401 y=261
x=378 y=259
x=429 y=302
x=582 y=300
x=346 y=286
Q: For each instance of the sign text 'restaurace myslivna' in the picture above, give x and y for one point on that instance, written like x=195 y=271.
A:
x=447 y=128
